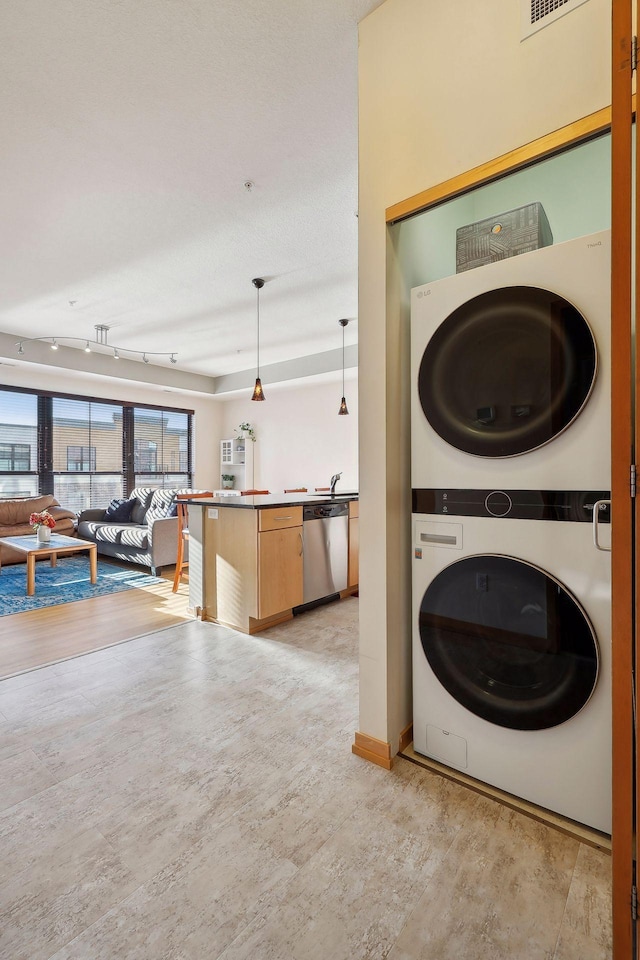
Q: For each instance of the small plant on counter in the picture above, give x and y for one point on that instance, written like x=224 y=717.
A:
x=246 y=430
x=228 y=479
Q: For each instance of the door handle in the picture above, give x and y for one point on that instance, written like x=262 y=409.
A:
x=596 y=509
x=301 y=554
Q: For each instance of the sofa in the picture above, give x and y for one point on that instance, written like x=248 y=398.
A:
x=14 y=522
x=147 y=535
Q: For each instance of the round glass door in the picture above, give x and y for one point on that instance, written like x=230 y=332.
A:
x=507 y=371
x=508 y=642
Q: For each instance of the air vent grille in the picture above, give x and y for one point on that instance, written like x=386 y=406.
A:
x=536 y=14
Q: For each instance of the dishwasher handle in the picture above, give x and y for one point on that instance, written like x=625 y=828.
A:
x=322 y=511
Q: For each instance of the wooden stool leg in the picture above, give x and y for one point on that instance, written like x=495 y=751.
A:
x=176 y=579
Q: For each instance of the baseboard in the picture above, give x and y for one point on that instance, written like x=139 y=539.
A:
x=376 y=751
x=406 y=737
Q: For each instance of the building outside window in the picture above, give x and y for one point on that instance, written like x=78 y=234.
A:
x=81 y=458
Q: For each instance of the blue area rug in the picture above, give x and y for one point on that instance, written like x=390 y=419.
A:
x=67 y=581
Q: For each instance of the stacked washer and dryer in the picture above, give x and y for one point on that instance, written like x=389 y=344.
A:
x=510 y=434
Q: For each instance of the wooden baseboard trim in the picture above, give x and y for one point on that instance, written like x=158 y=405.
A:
x=406 y=737
x=255 y=625
x=376 y=751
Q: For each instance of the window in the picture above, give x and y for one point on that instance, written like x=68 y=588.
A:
x=85 y=451
x=162 y=442
x=15 y=456
x=18 y=444
x=81 y=458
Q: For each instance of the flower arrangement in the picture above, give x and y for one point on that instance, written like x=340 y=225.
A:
x=246 y=430
x=43 y=519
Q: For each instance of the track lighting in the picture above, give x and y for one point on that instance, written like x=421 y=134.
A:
x=101 y=341
x=343 y=412
x=258 y=393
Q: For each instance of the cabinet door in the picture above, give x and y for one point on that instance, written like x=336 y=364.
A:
x=354 y=545
x=279 y=570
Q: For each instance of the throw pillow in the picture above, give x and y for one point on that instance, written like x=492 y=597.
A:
x=139 y=511
x=119 y=511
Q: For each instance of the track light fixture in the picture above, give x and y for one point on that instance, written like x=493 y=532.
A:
x=343 y=412
x=101 y=341
x=258 y=393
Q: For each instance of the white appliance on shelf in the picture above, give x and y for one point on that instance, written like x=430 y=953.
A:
x=512 y=658
x=510 y=367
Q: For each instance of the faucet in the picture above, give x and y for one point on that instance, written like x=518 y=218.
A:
x=334 y=480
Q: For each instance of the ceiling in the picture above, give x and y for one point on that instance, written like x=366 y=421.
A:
x=129 y=133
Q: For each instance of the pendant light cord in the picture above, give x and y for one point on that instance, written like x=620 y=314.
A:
x=258 y=345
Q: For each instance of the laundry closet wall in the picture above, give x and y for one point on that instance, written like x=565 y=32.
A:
x=442 y=88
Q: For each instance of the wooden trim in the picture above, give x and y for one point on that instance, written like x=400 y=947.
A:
x=406 y=737
x=621 y=458
x=561 y=139
x=376 y=751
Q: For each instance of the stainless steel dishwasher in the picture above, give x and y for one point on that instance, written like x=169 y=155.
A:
x=325 y=535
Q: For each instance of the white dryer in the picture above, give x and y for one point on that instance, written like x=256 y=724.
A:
x=511 y=647
x=511 y=372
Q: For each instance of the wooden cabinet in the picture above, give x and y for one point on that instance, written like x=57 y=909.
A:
x=279 y=560
x=279 y=570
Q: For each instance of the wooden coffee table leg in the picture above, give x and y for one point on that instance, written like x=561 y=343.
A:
x=93 y=563
x=54 y=559
x=31 y=574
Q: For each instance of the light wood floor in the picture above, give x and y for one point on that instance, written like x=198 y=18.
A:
x=39 y=637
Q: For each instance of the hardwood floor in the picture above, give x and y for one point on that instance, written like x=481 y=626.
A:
x=39 y=637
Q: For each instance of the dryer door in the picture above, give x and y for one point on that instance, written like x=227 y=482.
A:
x=509 y=642
x=507 y=371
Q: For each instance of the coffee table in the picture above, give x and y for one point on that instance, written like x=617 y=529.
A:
x=58 y=546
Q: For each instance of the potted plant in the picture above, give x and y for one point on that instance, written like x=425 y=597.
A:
x=246 y=430
x=228 y=480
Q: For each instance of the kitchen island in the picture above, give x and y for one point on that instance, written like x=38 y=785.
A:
x=247 y=555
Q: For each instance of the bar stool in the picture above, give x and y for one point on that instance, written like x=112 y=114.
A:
x=254 y=493
x=320 y=489
x=296 y=490
x=183 y=533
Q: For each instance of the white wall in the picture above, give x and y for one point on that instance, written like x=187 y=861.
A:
x=207 y=418
x=443 y=88
x=301 y=440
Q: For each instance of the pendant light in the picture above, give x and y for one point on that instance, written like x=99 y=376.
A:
x=257 y=390
x=343 y=412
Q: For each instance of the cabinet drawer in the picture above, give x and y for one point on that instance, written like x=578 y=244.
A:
x=276 y=518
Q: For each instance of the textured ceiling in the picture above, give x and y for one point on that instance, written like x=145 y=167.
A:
x=128 y=132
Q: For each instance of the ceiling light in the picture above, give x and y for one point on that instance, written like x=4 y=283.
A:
x=102 y=332
x=258 y=393
x=343 y=412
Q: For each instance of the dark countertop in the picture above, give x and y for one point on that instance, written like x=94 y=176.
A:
x=271 y=500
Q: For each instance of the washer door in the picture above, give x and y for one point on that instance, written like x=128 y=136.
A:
x=509 y=642
x=507 y=371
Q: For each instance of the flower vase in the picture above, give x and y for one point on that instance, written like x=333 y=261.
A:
x=43 y=534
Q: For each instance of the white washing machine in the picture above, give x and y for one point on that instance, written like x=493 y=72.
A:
x=511 y=372
x=511 y=648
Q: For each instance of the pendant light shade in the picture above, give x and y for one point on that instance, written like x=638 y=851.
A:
x=343 y=412
x=258 y=393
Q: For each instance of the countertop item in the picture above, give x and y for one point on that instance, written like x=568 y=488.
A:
x=273 y=500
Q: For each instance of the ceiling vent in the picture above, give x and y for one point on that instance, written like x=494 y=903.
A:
x=536 y=14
